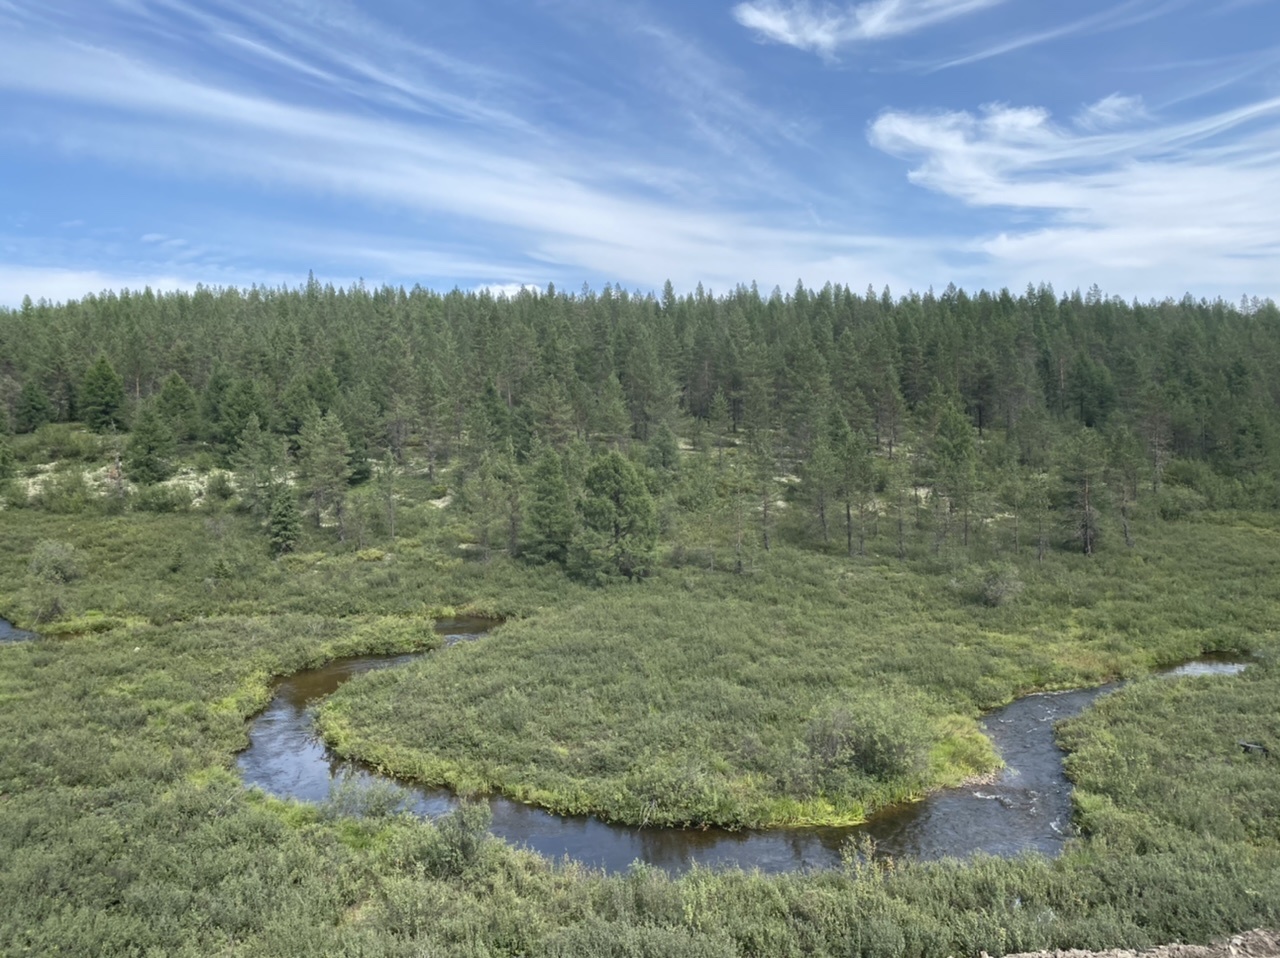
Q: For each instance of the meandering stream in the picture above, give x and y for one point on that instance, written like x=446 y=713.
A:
x=8 y=633
x=1028 y=807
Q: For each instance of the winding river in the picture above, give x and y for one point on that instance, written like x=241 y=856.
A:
x=1027 y=808
x=10 y=634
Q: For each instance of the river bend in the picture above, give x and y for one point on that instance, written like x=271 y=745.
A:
x=1026 y=808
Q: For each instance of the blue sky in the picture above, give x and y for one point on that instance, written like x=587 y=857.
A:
x=909 y=143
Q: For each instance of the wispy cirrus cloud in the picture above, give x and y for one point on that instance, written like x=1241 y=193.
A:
x=559 y=212
x=1115 y=196
x=1111 y=111
x=1112 y=17
x=823 y=29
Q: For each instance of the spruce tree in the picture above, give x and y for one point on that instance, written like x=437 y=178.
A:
x=284 y=521
x=176 y=403
x=242 y=399
x=34 y=408
x=102 y=397
x=149 y=449
x=259 y=462
x=619 y=522
x=324 y=467
x=551 y=519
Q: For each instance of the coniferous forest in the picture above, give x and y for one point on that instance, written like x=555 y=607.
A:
x=760 y=560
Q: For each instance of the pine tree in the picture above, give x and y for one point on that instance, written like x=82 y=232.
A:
x=1084 y=461
x=484 y=497
x=720 y=421
x=700 y=505
x=259 y=462
x=954 y=461
x=102 y=397
x=858 y=482
x=610 y=420
x=619 y=522
x=176 y=403
x=149 y=449
x=663 y=453
x=387 y=474
x=284 y=521
x=324 y=468
x=819 y=483
x=34 y=408
x=551 y=519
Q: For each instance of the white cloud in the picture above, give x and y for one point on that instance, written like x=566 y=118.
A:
x=59 y=285
x=823 y=29
x=509 y=290
x=1110 y=112
x=1147 y=208
x=561 y=211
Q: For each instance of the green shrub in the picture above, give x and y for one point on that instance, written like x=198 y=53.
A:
x=219 y=487
x=1178 y=502
x=66 y=492
x=54 y=563
x=879 y=736
x=351 y=796
x=175 y=498
x=61 y=442
x=1001 y=584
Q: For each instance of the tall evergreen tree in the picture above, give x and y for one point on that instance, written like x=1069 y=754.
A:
x=176 y=404
x=243 y=399
x=386 y=477
x=33 y=409
x=1084 y=463
x=820 y=483
x=954 y=461
x=858 y=483
x=148 y=453
x=259 y=462
x=619 y=522
x=284 y=521
x=485 y=497
x=324 y=468
x=551 y=519
x=102 y=396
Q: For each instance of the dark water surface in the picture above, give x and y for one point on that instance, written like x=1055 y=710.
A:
x=1027 y=807
x=10 y=634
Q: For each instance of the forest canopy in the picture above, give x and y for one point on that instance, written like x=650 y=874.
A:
x=944 y=410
